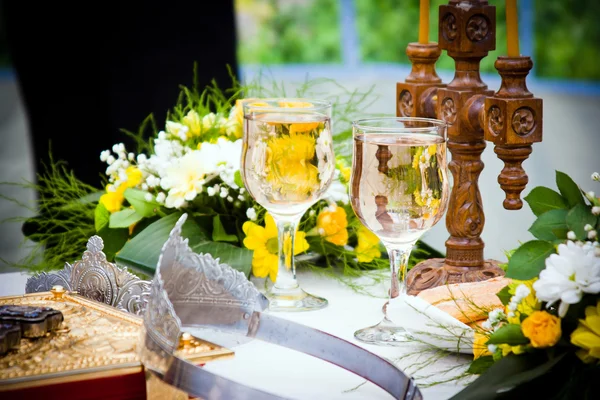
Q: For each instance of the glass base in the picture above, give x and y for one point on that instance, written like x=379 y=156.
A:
x=385 y=333
x=294 y=300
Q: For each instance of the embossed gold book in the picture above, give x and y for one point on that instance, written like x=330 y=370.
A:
x=94 y=350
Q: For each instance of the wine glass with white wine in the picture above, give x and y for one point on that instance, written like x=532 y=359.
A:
x=398 y=190
x=288 y=163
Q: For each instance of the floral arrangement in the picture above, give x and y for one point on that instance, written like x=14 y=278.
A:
x=546 y=338
x=192 y=166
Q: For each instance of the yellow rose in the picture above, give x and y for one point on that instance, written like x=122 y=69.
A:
x=295 y=147
x=479 y=346
x=303 y=127
x=294 y=180
x=288 y=162
x=542 y=329
x=368 y=245
x=332 y=226
x=587 y=335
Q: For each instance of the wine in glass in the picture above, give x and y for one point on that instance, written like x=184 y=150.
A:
x=398 y=190
x=287 y=164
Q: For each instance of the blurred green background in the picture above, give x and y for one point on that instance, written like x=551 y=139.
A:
x=565 y=34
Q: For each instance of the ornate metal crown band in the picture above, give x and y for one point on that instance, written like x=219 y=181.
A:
x=191 y=290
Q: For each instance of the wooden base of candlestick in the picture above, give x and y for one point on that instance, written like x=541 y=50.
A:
x=435 y=272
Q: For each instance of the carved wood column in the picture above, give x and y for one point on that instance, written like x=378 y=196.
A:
x=513 y=122
x=467 y=33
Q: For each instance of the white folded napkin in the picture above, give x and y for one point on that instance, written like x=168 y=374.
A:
x=431 y=325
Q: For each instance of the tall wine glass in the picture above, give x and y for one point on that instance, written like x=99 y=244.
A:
x=399 y=190
x=287 y=164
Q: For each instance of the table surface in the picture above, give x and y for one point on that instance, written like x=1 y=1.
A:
x=299 y=376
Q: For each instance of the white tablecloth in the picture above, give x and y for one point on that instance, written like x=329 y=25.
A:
x=289 y=373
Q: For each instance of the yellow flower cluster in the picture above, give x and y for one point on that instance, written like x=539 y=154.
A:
x=368 y=245
x=290 y=171
x=113 y=199
x=421 y=157
x=332 y=225
x=527 y=306
x=480 y=347
x=194 y=126
x=264 y=242
x=507 y=349
x=434 y=203
x=587 y=335
x=344 y=169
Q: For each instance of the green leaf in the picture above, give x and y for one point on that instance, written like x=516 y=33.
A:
x=203 y=211
x=578 y=218
x=529 y=259
x=237 y=257
x=114 y=240
x=219 y=234
x=569 y=189
x=124 y=218
x=101 y=217
x=141 y=252
x=237 y=179
x=480 y=365
x=510 y=334
x=504 y=295
x=512 y=377
x=143 y=224
x=143 y=207
x=542 y=199
x=92 y=197
x=551 y=225
x=77 y=203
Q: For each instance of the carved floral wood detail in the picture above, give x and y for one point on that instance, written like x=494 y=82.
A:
x=406 y=105
x=523 y=121
x=477 y=28
x=511 y=118
x=449 y=28
x=465 y=210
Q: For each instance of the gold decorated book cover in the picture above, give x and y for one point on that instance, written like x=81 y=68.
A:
x=90 y=354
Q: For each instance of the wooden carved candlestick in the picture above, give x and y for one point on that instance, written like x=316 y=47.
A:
x=511 y=118
x=513 y=122
x=417 y=97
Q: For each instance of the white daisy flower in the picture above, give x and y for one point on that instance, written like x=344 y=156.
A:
x=575 y=270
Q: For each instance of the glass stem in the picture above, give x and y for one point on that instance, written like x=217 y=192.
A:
x=286 y=273
x=399 y=256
